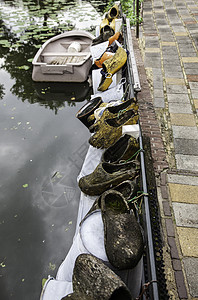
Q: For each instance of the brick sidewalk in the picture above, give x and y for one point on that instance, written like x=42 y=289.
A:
x=168 y=70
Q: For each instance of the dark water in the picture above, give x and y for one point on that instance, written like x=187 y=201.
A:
x=42 y=148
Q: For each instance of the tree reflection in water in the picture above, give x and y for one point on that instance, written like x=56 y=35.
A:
x=23 y=31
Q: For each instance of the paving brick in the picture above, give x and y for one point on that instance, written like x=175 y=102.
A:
x=149 y=63
x=182 y=119
x=179 y=29
x=185 y=132
x=193 y=85
x=190 y=59
x=163 y=179
x=183 y=193
x=177 y=81
x=178 y=98
x=173 y=248
x=152 y=50
x=193 y=78
x=182 y=179
x=187 y=162
x=167 y=36
x=166 y=208
x=172 y=61
x=190 y=22
x=195 y=103
x=185 y=52
x=159 y=102
x=176 y=89
x=191 y=267
x=191 y=68
x=164 y=192
x=186 y=214
x=170 y=228
x=186 y=146
x=168 y=52
x=188 y=238
x=159 y=11
x=194 y=93
x=177 y=73
x=181 y=288
x=183 y=48
x=168 y=44
x=176 y=264
x=157 y=84
x=182 y=108
x=172 y=69
x=147 y=13
x=158 y=93
x=181 y=33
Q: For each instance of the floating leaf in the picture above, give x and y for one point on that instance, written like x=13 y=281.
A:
x=52 y=266
x=2 y=264
x=23 y=68
x=43 y=281
x=4 y=43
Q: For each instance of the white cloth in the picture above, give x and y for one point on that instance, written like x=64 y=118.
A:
x=98 y=50
x=133 y=130
x=65 y=270
x=55 y=289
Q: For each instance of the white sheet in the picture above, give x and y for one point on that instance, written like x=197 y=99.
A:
x=61 y=286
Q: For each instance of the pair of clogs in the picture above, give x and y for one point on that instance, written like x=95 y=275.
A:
x=112 y=111
x=110 y=130
x=109 y=18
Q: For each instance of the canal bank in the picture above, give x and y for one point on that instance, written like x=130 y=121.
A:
x=166 y=57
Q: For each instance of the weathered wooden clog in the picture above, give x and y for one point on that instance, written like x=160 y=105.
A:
x=122 y=233
x=127 y=188
x=124 y=149
x=87 y=110
x=114 y=111
x=113 y=12
x=110 y=67
x=93 y=280
x=111 y=129
x=108 y=175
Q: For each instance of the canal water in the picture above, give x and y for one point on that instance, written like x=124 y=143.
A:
x=42 y=145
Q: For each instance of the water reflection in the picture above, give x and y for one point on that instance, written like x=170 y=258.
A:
x=42 y=146
x=58 y=94
x=23 y=46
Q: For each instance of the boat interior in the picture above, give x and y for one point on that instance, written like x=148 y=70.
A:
x=59 y=52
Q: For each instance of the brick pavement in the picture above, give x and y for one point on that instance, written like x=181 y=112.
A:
x=168 y=70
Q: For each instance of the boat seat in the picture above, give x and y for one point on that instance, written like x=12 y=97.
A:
x=69 y=42
x=65 y=53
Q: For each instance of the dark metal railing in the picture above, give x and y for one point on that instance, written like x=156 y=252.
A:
x=134 y=88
